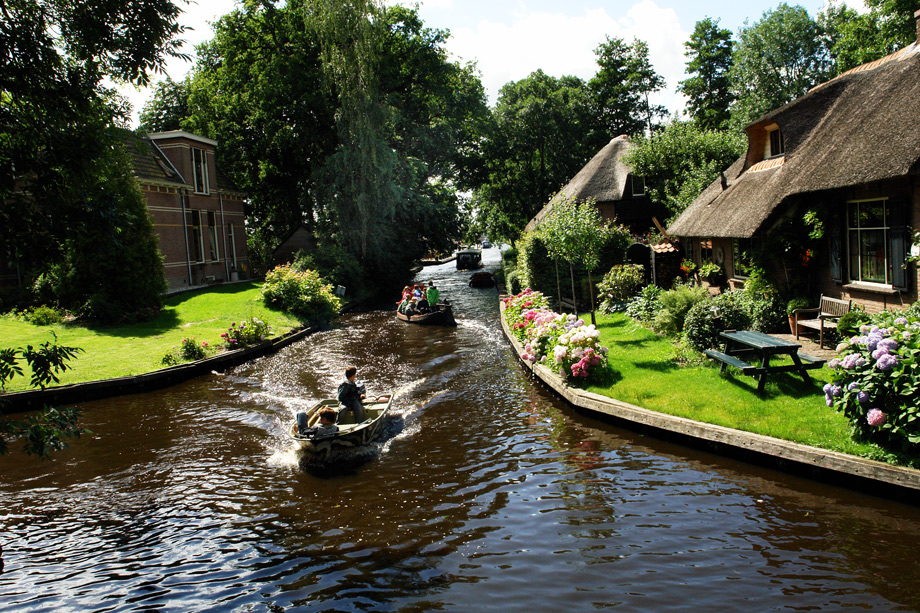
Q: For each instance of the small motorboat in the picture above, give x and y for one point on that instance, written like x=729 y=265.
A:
x=441 y=315
x=482 y=279
x=349 y=434
x=469 y=259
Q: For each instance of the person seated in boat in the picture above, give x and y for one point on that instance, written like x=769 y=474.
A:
x=417 y=291
x=404 y=305
x=350 y=394
x=421 y=305
x=327 y=417
x=433 y=295
x=411 y=309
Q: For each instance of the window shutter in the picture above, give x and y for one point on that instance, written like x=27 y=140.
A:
x=899 y=240
x=837 y=246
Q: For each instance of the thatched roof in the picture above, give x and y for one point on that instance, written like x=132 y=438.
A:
x=602 y=178
x=863 y=126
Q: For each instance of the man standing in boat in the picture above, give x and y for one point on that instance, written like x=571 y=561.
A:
x=433 y=296
x=351 y=394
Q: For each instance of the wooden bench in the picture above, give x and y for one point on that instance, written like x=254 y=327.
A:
x=828 y=312
x=744 y=367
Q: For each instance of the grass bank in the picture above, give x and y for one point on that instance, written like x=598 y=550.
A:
x=644 y=372
x=122 y=350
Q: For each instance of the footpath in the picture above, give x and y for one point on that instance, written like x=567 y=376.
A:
x=868 y=476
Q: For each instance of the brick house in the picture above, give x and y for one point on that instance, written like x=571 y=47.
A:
x=848 y=154
x=197 y=211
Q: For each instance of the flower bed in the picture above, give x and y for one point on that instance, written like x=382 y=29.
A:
x=561 y=342
x=877 y=382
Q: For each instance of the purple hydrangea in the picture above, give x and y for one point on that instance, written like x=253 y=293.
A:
x=876 y=418
x=886 y=362
x=888 y=343
x=862 y=397
x=901 y=321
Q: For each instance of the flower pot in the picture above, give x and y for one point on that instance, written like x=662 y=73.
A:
x=792 y=324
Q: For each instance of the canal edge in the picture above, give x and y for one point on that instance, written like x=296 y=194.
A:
x=832 y=467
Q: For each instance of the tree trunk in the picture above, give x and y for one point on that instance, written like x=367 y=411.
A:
x=574 y=299
x=591 y=294
x=558 y=288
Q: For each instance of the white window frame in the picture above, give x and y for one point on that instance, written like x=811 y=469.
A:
x=641 y=180
x=886 y=240
x=769 y=152
x=212 y=236
x=200 y=170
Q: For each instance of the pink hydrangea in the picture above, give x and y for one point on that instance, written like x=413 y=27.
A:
x=876 y=418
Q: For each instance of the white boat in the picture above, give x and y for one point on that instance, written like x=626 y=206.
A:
x=349 y=434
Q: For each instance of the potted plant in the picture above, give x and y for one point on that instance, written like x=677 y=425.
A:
x=688 y=267
x=712 y=273
x=791 y=306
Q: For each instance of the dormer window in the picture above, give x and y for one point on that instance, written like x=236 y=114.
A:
x=775 y=142
x=638 y=185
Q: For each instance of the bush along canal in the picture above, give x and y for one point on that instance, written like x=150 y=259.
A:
x=485 y=488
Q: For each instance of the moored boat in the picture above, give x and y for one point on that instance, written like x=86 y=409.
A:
x=441 y=315
x=468 y=259
x=349 y=434
x=482 y=279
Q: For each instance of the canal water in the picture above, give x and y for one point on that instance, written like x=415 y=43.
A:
x=486 y=492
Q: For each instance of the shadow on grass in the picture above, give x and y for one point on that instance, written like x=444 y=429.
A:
x=168 y=319
x=657 y=366
x=778 y=384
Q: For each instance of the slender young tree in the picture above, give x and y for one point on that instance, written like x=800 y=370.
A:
x=709 y=55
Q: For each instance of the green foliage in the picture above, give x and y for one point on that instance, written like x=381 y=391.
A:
x=301 y=292
x=876 y=383
x=46 y=431
x=776 y=60
x=709 y=52
x=168 y=107
x=765 y=311
x=707 y=318
x=513 y=282
x=645 y=305
x=60 y=163
x=857 y=38
x=619 y=285
x=712 y=272
x=620 y=88
x=675 y=304
x=797 y=303
x=849 y=322
x=544 y=130
x=44 y=315
x=188 y=350
x=679 y=162
x=574 y=231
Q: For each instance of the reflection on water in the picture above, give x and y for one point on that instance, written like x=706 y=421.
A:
x=483 y=489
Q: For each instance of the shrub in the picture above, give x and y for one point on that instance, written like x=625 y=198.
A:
x=645 y=305
x=764 y=310
x=849 y=323
x=619 y=285
x=707 y=318
x=248 y=332
x=674 y=306
x=188 y=350
x=142 y=314
x=875 y=384
x=513 y=282
x=300 y=292
x=44 y=315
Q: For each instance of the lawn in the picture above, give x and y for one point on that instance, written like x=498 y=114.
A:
x=121 y=350
x=646 y=373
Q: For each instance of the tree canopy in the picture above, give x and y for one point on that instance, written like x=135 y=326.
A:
x=709 y=55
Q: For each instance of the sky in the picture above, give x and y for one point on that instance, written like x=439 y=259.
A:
x=509 y=39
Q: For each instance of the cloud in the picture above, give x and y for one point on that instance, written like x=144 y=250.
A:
x=563 y=44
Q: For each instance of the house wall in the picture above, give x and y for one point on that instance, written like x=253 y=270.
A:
x=875 y=301
x=174 y=233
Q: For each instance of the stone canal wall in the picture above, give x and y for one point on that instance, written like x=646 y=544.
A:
x=831 y=467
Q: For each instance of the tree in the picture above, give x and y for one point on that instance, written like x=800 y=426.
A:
x=775 y=61
x=167 y=109
x=622 y=86
x=46 y=431
x=709 y=53
x=855 y=39
x=576 y=233
x=679 y=162
x=543 y=134
x=57 y=145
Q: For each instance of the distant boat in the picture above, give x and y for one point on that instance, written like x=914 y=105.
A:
x=441 y=315
x=482 y=279
x=486 y=244
x=469 y=259
x=349 y=435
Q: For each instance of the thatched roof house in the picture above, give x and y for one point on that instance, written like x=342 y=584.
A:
x=849 y=147
x=619 y=195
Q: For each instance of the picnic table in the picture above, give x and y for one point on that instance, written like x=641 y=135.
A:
x=759 y=347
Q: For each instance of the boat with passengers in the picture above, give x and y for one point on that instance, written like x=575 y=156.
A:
x=349 y=434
